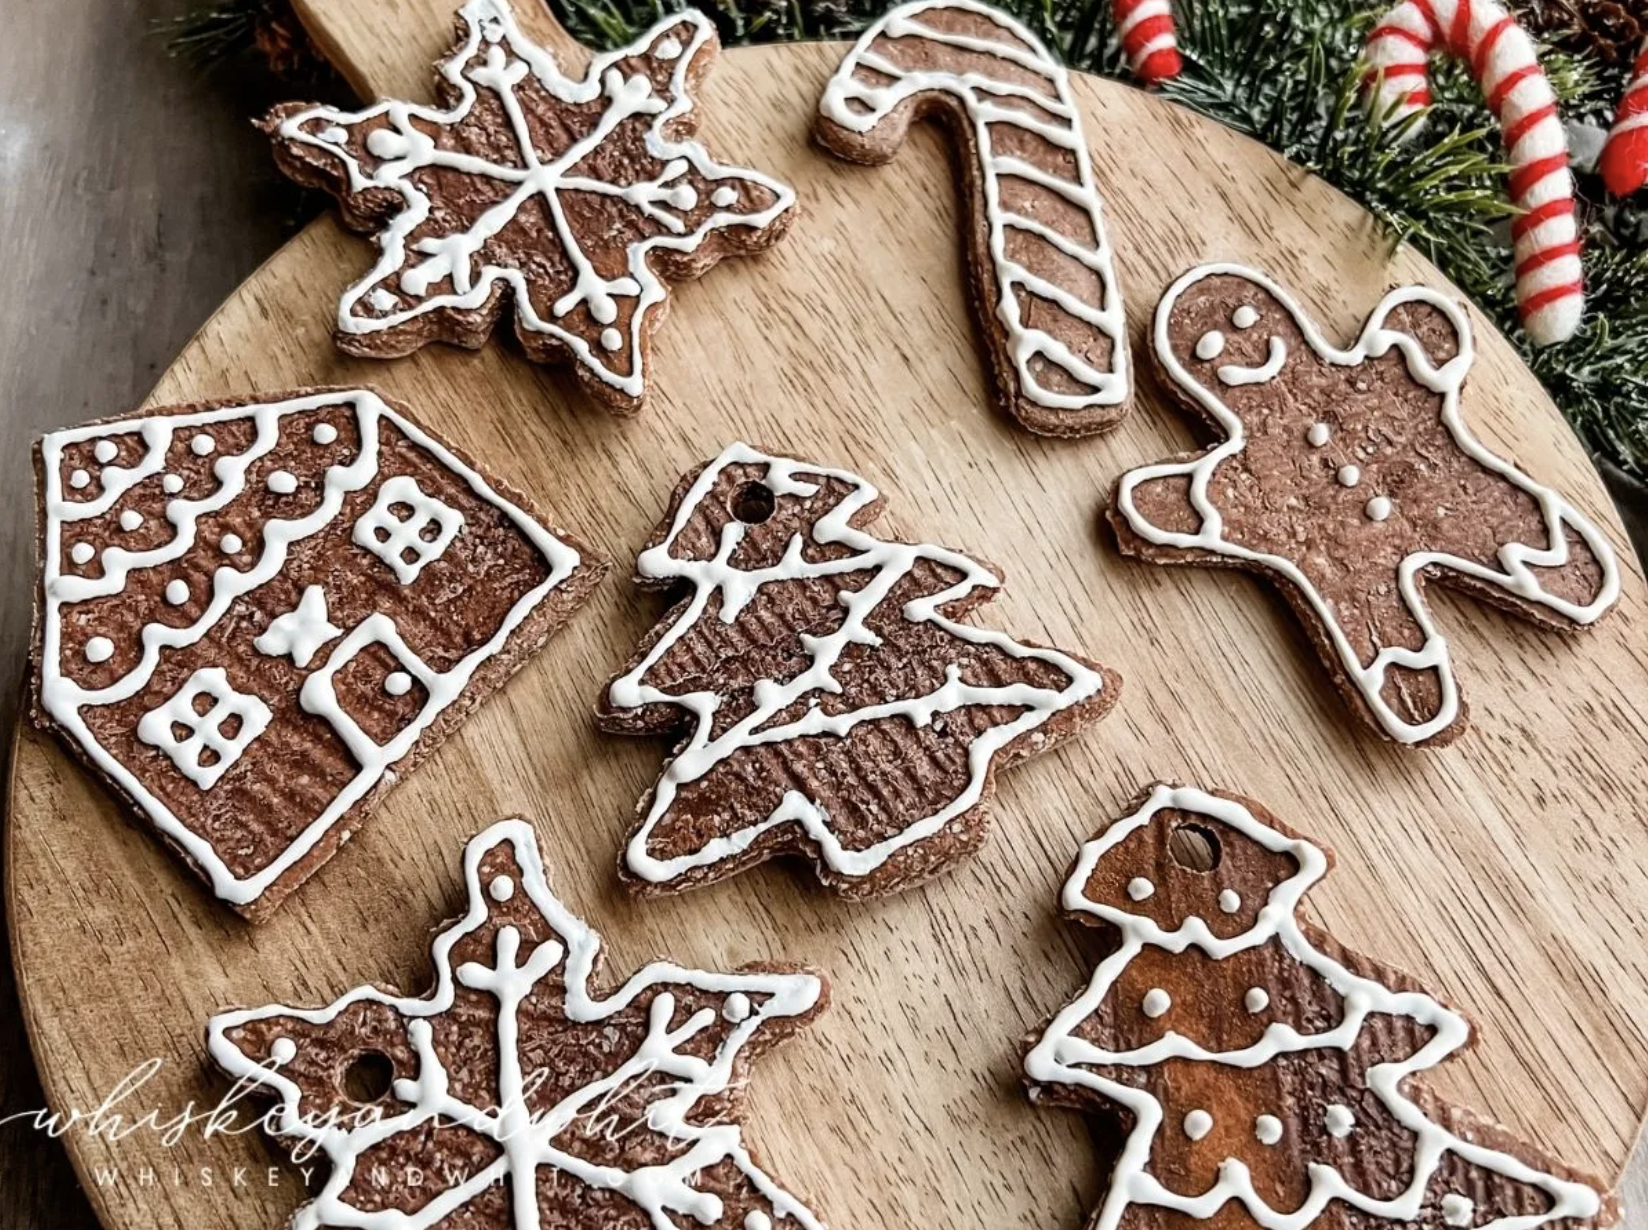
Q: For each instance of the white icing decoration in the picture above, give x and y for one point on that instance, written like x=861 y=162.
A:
x=231 y=544
x=694 y=1065
x=131 y=520
x=611 y=339
x=171 y=484
x=282 y=1051
x=203 y=732
x=82 y=552
x=1140 y=888
x=1230 y=901
x=66 y=699
x=888 y=562
x=106 y=451
x=1268 y=1129
x=1064 y=1056
x=497 y=57
x=299 y=633
x=755 y=1219
x=283 y=482
x=1518 y=561
x=79 y=479
x=869 y=86
x=324 y=433
x=737 y=1007
x=501 y=889
x=1339 y=1121
x=668 y=49
x=202 y=445
x=1197 y=1124
x=723 y=197
x=1156 y=1002
x=1210 y=345
x=1257 y=999
x=1245 y=317
x=397 y=683
x=380 y=299
x=337 y=136
x=177 y=592
x=1348 y=475
x=1458 y=1210
x=1319 y=434
x=1378 y=508
x=1235 y=375
x=381 y=531
x=99 y=649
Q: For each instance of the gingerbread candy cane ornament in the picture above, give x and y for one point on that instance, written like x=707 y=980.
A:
x=1625 y=158
x=1145 y=28
x=1550 y=292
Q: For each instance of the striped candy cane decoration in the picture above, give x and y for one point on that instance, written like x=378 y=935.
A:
x=1625 y=157
x=1550 y=292
x=1145 y=28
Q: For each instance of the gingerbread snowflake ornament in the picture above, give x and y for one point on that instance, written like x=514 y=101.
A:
x=1262 y=1073
x=1349 y=478
x=830 y=701
x=518 y=1094
x=576 y=201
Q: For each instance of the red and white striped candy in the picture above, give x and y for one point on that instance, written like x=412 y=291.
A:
x=1550 y=290
x=1145 y=28
x=1625 y=157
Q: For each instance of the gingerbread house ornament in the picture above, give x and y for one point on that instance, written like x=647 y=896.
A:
x=254 y=615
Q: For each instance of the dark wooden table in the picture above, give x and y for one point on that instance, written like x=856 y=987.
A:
x=134 y=196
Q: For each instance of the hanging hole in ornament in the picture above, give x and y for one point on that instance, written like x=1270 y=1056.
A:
x=368 y=1078
x=754 y=503
x=1195 y=847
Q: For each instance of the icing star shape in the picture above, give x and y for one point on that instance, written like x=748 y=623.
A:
x=522 y=1095
x=300 y=633
x=1350 y=479
x=574 y=199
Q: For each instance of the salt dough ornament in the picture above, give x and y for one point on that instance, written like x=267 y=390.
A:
x=1282 y=1084
x=1350 y=479
x=576 y=201
x=833 y=705
x=520 y=1094
x=1042 y=274
x=255 y=615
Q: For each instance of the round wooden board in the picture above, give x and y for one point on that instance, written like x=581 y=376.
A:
x=1510 y=870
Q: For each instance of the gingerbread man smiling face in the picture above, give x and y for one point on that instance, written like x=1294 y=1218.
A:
x=1349 y=478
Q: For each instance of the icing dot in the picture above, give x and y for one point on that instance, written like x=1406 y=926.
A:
x=1257 y=999
x=397 y=683
x=130 y=520
x=1349 y=476
x=1268 y=1128
x=386 y=143
x=79 y=479
x=1156 y=1002
x=171 y=484
x=177 y=592
x=1457 y=1210
x=106 y=451
x=1245 y=317
x=684 y=197
x=324 y=433
x=381 y=299
x=99 y=649
x=1230 y=901
x=283 y=1051
x=231 y=544
x=737 y=1007
x=611 y=339
x=334 y=134
x=668 y=49
x=1339 y=1121
x=755 y=1219
x=1319 y=434
x=722 y=197
x=1139 y=888
x=1378 y=509
x=501 y=889
x=283 y=482
x=1197 y=1124
x=1211 y=345
x=82 y=552
x=202 y=445
x=604 y=310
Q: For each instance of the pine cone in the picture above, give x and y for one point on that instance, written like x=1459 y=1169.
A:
x=1610 y=30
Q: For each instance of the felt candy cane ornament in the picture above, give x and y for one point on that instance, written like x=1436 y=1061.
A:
x=1145 y=28
x=1625 y=157
x=1550 y=292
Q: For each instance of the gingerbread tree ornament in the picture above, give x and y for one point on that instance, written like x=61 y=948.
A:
x=517 y=1095
x=831 y=701
x=1349 y=478
x=1263 y=1074
x=574 y=200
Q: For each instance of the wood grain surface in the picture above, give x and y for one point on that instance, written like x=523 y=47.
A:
x=1510 y=870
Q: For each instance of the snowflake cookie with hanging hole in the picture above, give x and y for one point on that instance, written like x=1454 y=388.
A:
x=1263 y=1074
x=518 y=1095
x=572 y=201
